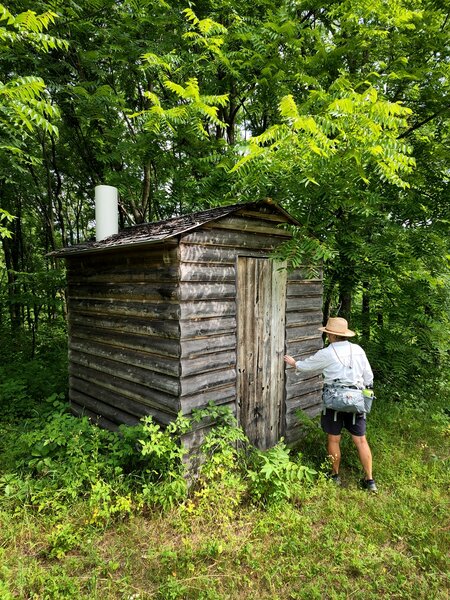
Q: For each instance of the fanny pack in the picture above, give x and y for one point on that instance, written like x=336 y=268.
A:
x=346 y=399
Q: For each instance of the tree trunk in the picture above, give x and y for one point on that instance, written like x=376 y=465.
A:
x=12 y=252
x=365 y=314
x=345 y=303
x=146 y=192
x=328 y=300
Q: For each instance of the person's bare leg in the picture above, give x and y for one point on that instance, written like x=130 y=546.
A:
x=365 y=455
x=334 y=452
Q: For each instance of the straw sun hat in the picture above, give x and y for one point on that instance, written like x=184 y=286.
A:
x=337 y=326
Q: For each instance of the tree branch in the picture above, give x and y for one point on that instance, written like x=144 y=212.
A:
x=424 y=122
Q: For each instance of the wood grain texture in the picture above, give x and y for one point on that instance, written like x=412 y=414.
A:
x=80 y=410
x=162 y=328
x=260 y=345
x=146 y=377
x=142 y=393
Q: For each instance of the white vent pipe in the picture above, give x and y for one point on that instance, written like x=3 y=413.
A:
x=106 y=211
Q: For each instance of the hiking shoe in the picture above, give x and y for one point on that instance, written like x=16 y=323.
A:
x=369 y=485
x=335 y=479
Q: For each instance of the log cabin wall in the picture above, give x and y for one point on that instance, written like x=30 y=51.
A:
x=208 y=308
x=124 y=338
x=208 y=327
x=155 y=325
x=303 y=318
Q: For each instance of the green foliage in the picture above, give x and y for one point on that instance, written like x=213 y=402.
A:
x=232 y=470
x=338 y=112
x=164 y=478
x=5 y=218
x=67 y=459
x=304 y=251
x=275 y=476
x=192 y=111
x=59 y=460
x=24 y=103
x=307 y=141
x=58 y=463
x=36 y=377
x=394 y=543
x=219 y=485
x=90 y=513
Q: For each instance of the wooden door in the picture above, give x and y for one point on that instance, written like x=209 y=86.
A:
x=261 y=300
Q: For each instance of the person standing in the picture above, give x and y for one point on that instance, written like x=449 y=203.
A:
x=343 y=365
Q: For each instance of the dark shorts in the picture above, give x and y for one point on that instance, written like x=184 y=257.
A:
x=332 y=422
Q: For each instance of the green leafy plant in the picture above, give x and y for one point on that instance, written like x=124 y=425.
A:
x=164 y=473
x=63 y=538
x=274 y=476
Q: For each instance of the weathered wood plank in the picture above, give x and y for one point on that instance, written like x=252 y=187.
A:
x=166 y=252
x=207 y=291
x=304 y=274
x=248 y=225
x=296 y=432
x=307 y=345
x=207 y=272
x=201 y=309
x=203 y=382
x=203 y=346
x=302 y=331
x=296 y=318
x=225 y=394
x=304 y=288
x=142 y=343
x=148 y=327
x=153 y=379
x=119 y=401
x=302 y=303
x=151 y=273
x=109 y=307
x=209 y=362
x=296 y=387
x=218 y=255
x=230 y=239
x=141 y=393
x=276 y=364
x=166 y=365
x=247 y=287
x=107 y=411
x=262 y=216
x=82 y=411
x=193 y=328
x=313 y=399
x=135 y=292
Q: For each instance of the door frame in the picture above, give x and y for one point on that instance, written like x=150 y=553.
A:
x=261 y=366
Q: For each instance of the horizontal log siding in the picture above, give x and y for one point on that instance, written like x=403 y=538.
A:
x=153 y=329
x=303 y=318
x=208 y=304
x=124 y=349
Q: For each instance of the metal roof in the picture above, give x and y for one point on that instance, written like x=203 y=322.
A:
x=150 y=233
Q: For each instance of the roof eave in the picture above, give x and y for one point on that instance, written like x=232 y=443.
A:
x=76 y=251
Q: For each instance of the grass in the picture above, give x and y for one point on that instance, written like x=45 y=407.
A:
x=324 y=542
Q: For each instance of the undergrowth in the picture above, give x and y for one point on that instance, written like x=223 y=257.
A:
x=90 y=514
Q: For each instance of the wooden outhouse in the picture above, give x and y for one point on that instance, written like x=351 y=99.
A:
x=166 y=317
